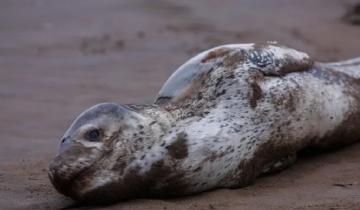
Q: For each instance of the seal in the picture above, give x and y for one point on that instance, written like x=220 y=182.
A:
x=225 y=117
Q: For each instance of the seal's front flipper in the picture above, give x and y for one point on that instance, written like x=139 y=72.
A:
x=275 y=60
x=188 y=75
x=279 y=165
x=270 y=59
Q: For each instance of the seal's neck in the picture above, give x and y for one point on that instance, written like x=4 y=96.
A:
x=156 y=121
x=156 y=161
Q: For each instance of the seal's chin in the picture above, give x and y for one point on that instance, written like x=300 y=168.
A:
x=74 y=187
x=62 y=185
x=67 y=172
x=80 y=187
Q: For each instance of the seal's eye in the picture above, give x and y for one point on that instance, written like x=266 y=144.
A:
x=93 y=135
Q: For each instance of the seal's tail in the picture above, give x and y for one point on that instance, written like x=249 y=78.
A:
x=350 y=67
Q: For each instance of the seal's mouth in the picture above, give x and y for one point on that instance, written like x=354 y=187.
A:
x=68 y=169
x=63 y=186
x=64 y=178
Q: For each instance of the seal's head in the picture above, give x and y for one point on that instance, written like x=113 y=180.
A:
x=95 y=150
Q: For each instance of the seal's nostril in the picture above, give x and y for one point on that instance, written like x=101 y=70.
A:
x=65 y=143
x=65 y=139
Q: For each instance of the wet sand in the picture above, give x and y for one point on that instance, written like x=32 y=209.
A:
x=59 y=57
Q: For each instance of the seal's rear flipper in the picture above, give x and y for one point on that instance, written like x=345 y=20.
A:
x=350 y=67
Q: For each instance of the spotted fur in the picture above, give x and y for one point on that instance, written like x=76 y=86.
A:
x=222 y=119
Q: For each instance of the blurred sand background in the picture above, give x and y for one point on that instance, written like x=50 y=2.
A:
x=59 y=57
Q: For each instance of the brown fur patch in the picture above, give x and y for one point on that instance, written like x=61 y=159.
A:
x=217 y=53
x=290 y=104
x=179 y=149
x=255 y=94
x=231 y=61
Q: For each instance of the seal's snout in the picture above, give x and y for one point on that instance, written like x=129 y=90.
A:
x=69 y=167
x=65 y=144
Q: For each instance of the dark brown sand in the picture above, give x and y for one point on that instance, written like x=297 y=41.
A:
x=59 y=57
